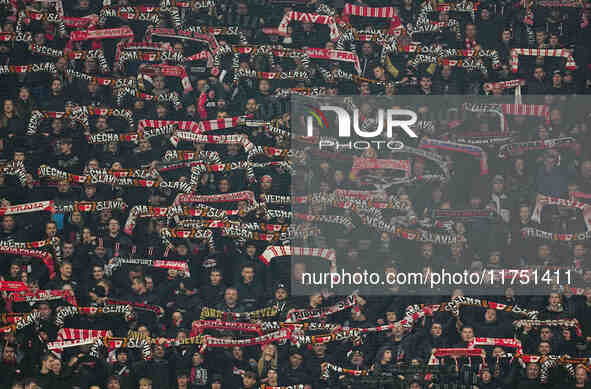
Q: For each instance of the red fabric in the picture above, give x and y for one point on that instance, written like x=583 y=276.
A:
x=201 y=106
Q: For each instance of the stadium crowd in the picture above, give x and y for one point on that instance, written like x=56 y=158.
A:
x=149 y=169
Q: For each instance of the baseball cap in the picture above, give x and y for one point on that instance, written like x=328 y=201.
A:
x=280 y=286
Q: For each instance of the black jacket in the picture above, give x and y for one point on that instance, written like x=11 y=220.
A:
x=160 y=371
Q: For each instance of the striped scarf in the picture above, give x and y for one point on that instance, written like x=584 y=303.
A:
x=542 y=200
x=427 y=143
x=508 y=150
x=515 y=53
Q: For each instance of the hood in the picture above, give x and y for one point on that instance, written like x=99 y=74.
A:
x=380 y=353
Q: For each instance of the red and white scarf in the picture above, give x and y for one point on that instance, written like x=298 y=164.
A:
x=169 y=71
x=46 y=171
x=114 y=343
x=156 y=309
x=138 y=13
x=26 y=320
x=508 y=150
x=16 y=36
x=43 y=295
x=562 y=323
x=542 y=200
x=458 y=352
x=30 y=249
x=68 y=312
x=283 y=334
x=98 y=54
x=198 y=4
x=151 y=211
x=564 y=237
x=140 y=46
x=110 y=112
x=28 y=15
x=335 y=55
x=181 y=34
x=297 y=315
x=39 y=206
x=48 y=67
x=45 y=256
x=455 y=305
x=554 y=4
x=82 y=22
x=373 y=12
x=75 y=337
x=200 y=325
x=161 y=56
x=38 y=116
x=515 y=53
x=180 y=233
x=497 y=342
x=287 y=92
x=117 y=262
x=114 y=83
x=108 y=33
x=191 y=155
x=290 y=75
x=90 y=206
x=453 y=352
x=509 y=84
x=539 y=110
x=170 y=97
x=194 y=127
x=428 y=143
x=216 y=198
x=272 y=252
x=80 y=333
x=13 y=286
x=262 y=313
x=304 y=17
x=239 y=139
x=372 y=163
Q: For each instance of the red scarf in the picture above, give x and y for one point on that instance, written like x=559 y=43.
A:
x=470 y=44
